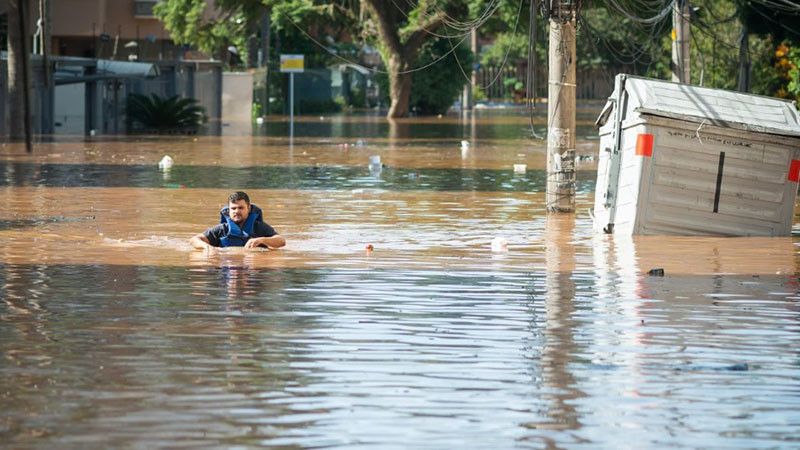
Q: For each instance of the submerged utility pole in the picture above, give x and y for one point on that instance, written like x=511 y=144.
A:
x=680 y=41
x=561 y=107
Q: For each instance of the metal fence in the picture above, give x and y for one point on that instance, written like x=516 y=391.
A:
x=507 y=82
x=99 y=103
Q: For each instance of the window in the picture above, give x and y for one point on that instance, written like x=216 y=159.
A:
x=144 y=8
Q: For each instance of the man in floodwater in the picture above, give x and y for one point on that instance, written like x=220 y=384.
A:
x=242 y=225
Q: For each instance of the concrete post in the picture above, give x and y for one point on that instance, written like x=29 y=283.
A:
x=561 y=113
x=680 y=42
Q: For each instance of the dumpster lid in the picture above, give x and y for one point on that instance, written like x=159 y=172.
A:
x=706 y=105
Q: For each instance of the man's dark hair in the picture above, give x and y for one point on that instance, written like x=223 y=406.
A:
x=238 y=195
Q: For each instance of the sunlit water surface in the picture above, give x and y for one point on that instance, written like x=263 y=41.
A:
x=115 y=333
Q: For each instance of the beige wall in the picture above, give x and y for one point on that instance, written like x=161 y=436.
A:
x=76 y=17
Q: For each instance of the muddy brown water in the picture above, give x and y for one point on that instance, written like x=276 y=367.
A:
x=114 y=333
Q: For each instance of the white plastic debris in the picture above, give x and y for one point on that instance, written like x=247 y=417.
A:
x=166 y=162
x=499 y=244
x=259 y=120
x=520 y=168
x=375 y=166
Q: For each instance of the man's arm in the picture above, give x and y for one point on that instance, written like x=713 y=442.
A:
x=276 y=241
x=201 y=242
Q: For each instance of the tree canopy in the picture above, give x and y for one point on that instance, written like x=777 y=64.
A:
x=397 y=29
x=613 y=36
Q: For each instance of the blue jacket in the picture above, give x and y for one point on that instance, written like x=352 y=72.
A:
x=238 y=236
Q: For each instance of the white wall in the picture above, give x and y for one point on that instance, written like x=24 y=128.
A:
x=237 y=104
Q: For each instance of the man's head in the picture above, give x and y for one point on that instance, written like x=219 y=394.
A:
x=238 y=206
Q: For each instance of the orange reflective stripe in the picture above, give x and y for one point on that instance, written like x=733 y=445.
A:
x=644 y=145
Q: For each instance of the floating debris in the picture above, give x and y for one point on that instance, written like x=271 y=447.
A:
x=166 y=163
x=499 y=244
x=740 y=367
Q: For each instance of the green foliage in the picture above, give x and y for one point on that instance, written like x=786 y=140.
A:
x=213 y=26
x=358 y=98
x=160 y=113
x=780 y=22
x=714 y=52
x=515 y=45
x=434 y=89
x=605 y=41
x=609 y=41
x=256 y=111
x=793 y=87
x=786 y=68
x=191 y=22
x=478 y=94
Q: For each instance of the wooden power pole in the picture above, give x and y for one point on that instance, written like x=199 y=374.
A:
x=561 y=107
x=680 y=41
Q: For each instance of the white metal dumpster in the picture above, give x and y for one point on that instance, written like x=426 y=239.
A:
x=686 y=160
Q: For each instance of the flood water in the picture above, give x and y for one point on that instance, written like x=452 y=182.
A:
x=115 y=333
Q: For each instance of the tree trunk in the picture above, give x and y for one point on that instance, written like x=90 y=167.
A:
x=252 y=46
x=399 y=87
x=400 y=54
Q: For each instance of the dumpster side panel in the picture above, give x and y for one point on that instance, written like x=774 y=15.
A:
x=716 y=181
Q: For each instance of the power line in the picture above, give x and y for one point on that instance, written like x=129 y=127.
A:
x=348 y=61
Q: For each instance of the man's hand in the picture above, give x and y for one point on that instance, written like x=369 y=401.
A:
x=210 y=250
x=270 y=242
x=255 y=243
x=200 y=242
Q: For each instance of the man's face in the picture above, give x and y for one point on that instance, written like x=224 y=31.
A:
x=238 y=211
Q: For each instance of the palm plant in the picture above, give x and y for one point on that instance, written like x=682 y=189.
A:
x=165 y=113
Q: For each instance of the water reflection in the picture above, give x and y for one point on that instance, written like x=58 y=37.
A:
x=558 y=327
x=488 y=125
x=277 y=177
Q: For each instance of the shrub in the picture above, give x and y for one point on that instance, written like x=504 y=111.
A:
x=160 y=113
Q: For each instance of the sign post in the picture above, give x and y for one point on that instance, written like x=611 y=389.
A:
x=292 y=64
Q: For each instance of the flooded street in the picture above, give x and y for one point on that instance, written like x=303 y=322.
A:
x=115 y=333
